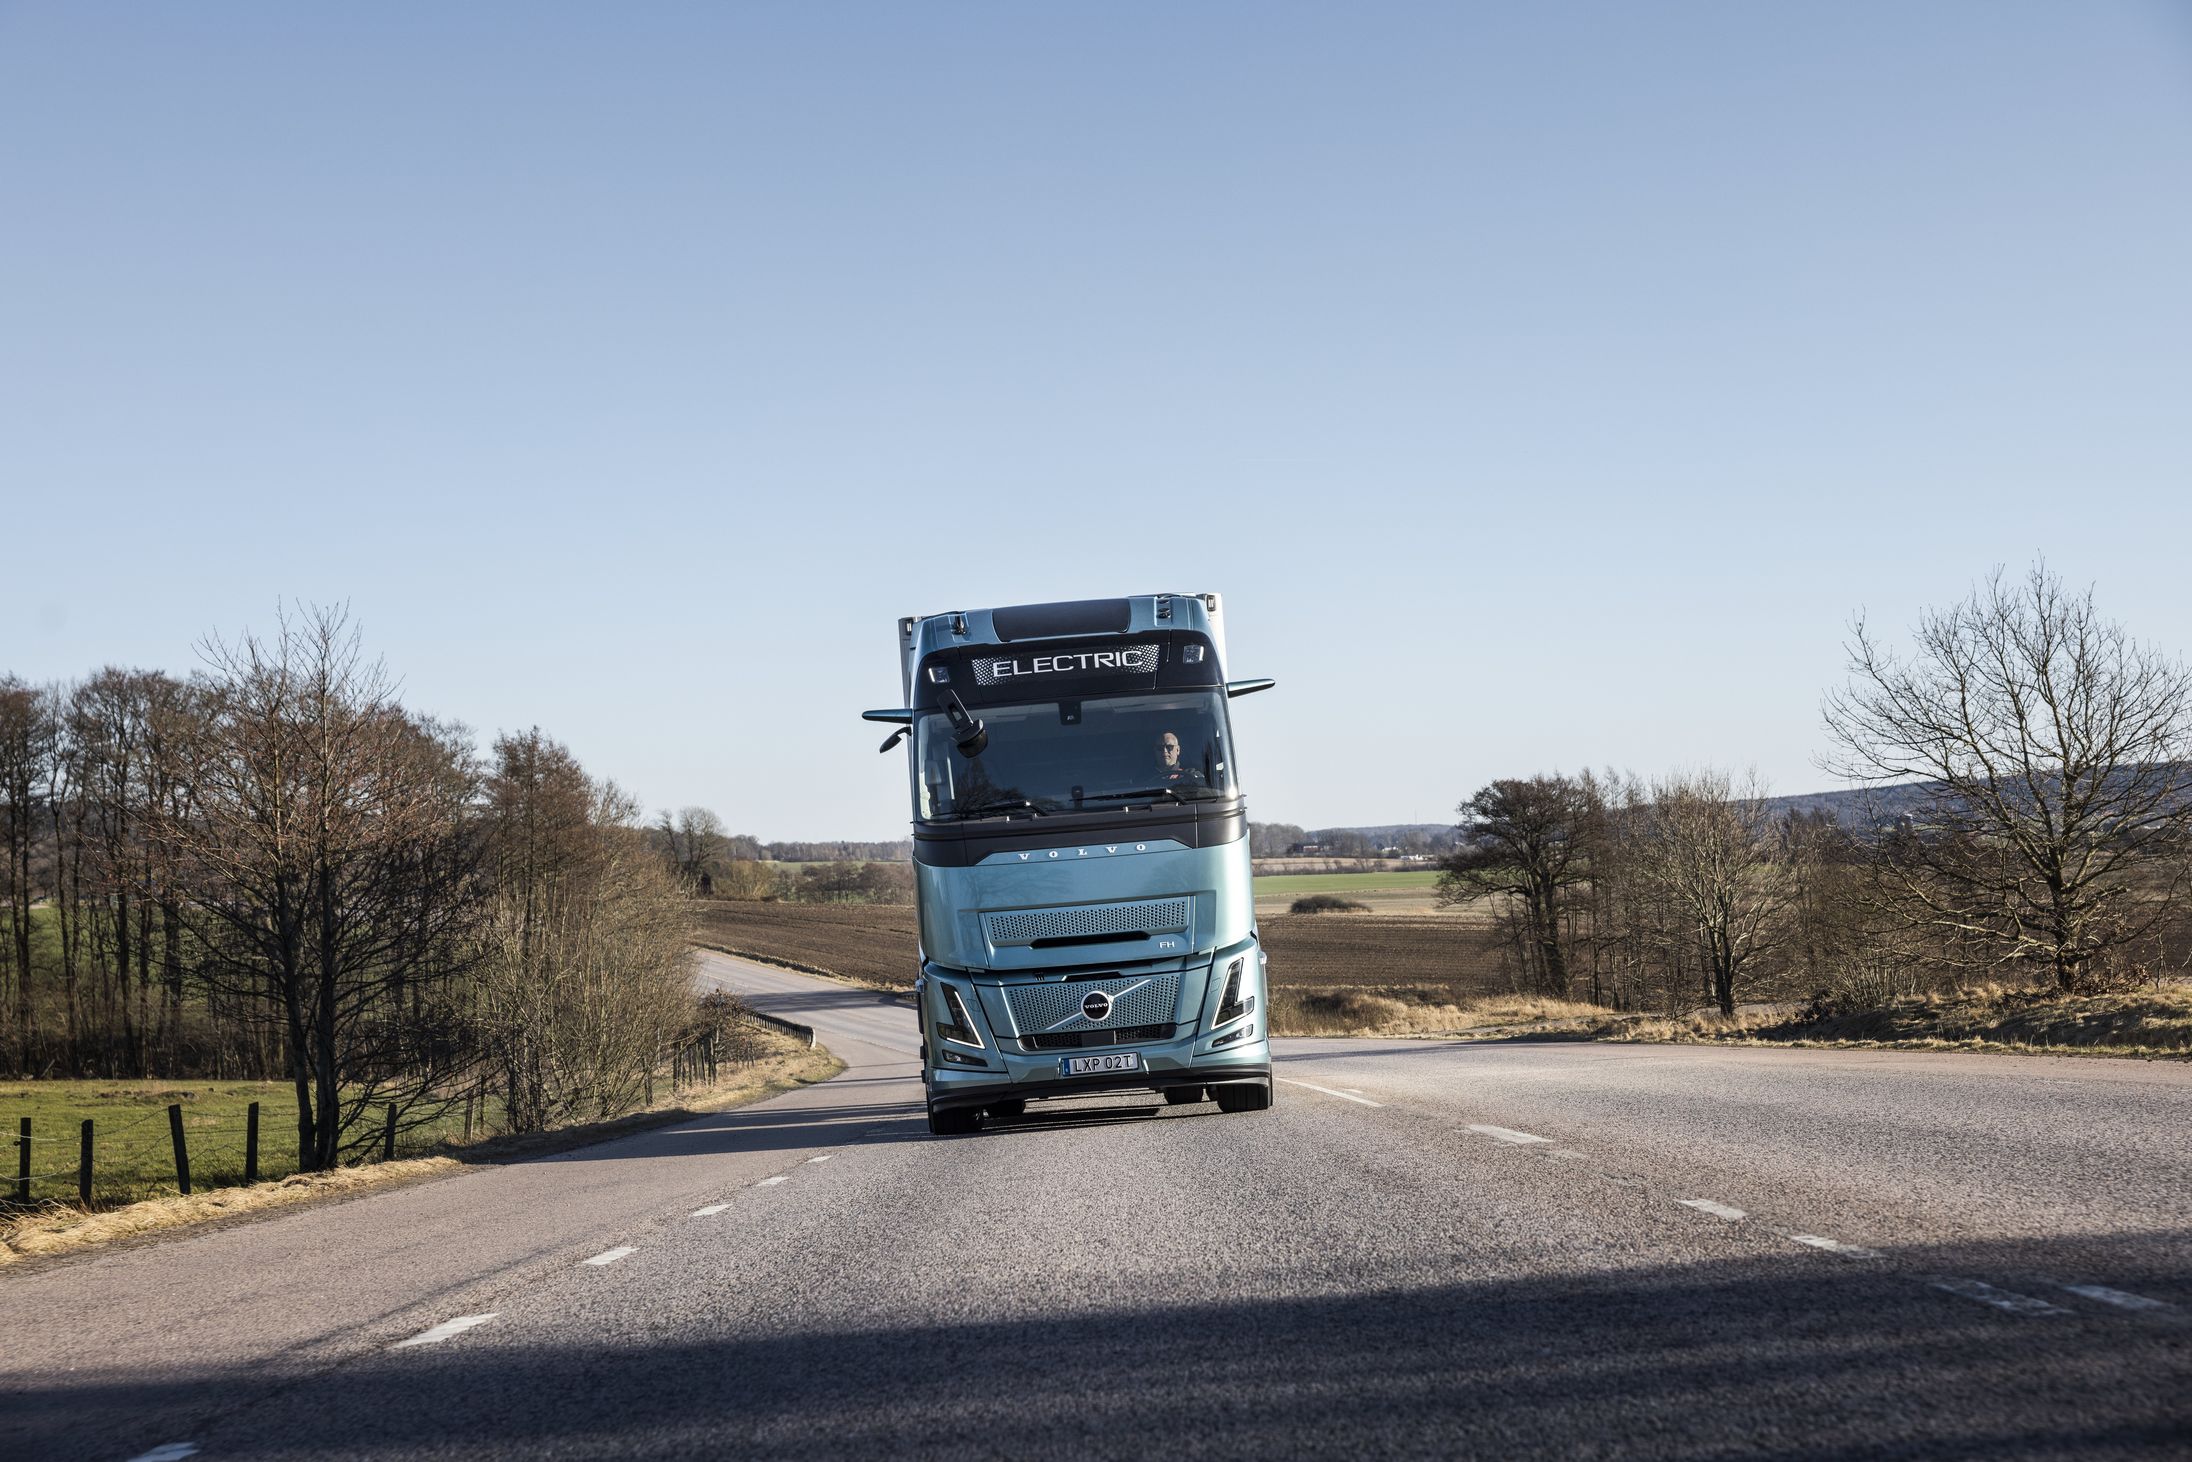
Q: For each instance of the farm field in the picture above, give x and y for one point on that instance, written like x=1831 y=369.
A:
x=1412 y=892
x=1293 y=885
x=1443 y=955
x=874 y=944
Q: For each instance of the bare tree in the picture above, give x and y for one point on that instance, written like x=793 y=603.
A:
x=587 y=979
x=1702 y=849
x=329 y=867
x=1531 y=840
x=2054 y=757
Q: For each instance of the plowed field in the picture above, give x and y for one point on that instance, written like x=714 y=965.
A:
x=875 y=944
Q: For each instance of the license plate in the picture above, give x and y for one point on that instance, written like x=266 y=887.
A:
x=1092 y=1065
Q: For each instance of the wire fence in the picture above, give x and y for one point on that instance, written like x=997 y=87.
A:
x=130 y=1142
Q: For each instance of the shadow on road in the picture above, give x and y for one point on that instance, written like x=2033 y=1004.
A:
x=1749 y=1357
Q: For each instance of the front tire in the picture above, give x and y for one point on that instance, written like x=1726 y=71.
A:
x=954 y=1121
x=1244 y=1096
x=1180 y=1096
x=1015 y=1108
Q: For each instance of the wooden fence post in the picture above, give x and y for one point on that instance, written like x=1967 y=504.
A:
x=182 y=1152
x=251 y=1143
x=83 y=1168
x=388 y=1136
x=22 y=1163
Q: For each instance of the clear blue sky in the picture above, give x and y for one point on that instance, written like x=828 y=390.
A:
x=1543 y=385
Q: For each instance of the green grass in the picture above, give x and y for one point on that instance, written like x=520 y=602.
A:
x=1293 y=885
x=133 y=1156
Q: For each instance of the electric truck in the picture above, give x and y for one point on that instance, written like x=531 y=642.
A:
x=1080 y=851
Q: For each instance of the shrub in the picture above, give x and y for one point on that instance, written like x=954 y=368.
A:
x=1325 y=903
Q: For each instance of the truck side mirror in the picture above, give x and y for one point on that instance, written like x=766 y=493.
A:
x=895 y=737
x=1234 y=688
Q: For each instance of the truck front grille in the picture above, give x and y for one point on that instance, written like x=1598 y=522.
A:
x=1056 y=1006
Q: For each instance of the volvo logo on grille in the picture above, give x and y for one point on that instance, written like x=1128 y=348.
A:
x=1097 y=1005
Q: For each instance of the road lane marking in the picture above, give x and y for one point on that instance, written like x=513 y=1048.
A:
x=1332 y=1091
x=1836 y=1246
x=2117 y=1297
x=710 y=1211
x=1507 y=1134
x=772 y=1182
x=608 y=1256
x=825 y=1157
x=437 y=1335
x=1717 y=1210
x=2000 y=1299
x=168 y=1452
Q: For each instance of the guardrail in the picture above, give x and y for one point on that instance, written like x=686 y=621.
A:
x=804 y=1032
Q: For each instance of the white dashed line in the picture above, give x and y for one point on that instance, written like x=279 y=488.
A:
x=2001 y=1299
x=168 y=1452
x=1332 y=1091
x=825 y=1157
x=2116 y=1297
x=772 y=1182
x=608 y=1256
x=710 y=1211
x=1717 y=1210
x=434 y=1336
x=1836 y=1246
x=1507 y=1134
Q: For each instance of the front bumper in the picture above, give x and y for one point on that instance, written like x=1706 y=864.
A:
x=1164 y=1068
x=1192 y=1050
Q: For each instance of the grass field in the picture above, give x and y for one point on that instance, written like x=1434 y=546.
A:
x=133 y=1154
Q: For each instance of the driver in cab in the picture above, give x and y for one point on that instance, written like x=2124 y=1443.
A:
x=1171 y=771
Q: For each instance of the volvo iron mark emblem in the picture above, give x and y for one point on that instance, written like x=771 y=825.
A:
x=1097 y=1006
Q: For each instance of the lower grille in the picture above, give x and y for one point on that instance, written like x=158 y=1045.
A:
x=1073 y=1040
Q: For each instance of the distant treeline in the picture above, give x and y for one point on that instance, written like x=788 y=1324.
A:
x=275 y=870
x=1285 y=839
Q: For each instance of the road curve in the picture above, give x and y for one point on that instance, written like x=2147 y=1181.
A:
x=1425 y=1249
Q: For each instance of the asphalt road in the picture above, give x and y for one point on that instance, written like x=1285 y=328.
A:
x=1424 y=1249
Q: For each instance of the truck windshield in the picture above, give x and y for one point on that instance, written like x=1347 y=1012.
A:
x=1078 y=755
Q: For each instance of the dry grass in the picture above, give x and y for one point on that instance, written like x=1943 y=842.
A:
x=62 y=1229
x=1368 y=1011
x=2153 y=1024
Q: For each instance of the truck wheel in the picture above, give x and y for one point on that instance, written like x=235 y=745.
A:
x=954 y=1121
x=1180 y=1096
x=1014 y=1108
x=1244 y=1096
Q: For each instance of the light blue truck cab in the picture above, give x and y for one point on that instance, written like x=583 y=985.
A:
x=1080 y=850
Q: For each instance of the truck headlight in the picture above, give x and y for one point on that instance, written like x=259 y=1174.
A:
x=957 y=1025
x=1231 y=1006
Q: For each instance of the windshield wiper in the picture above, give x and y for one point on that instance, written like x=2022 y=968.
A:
x=999 y=809
x=1134 y=796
